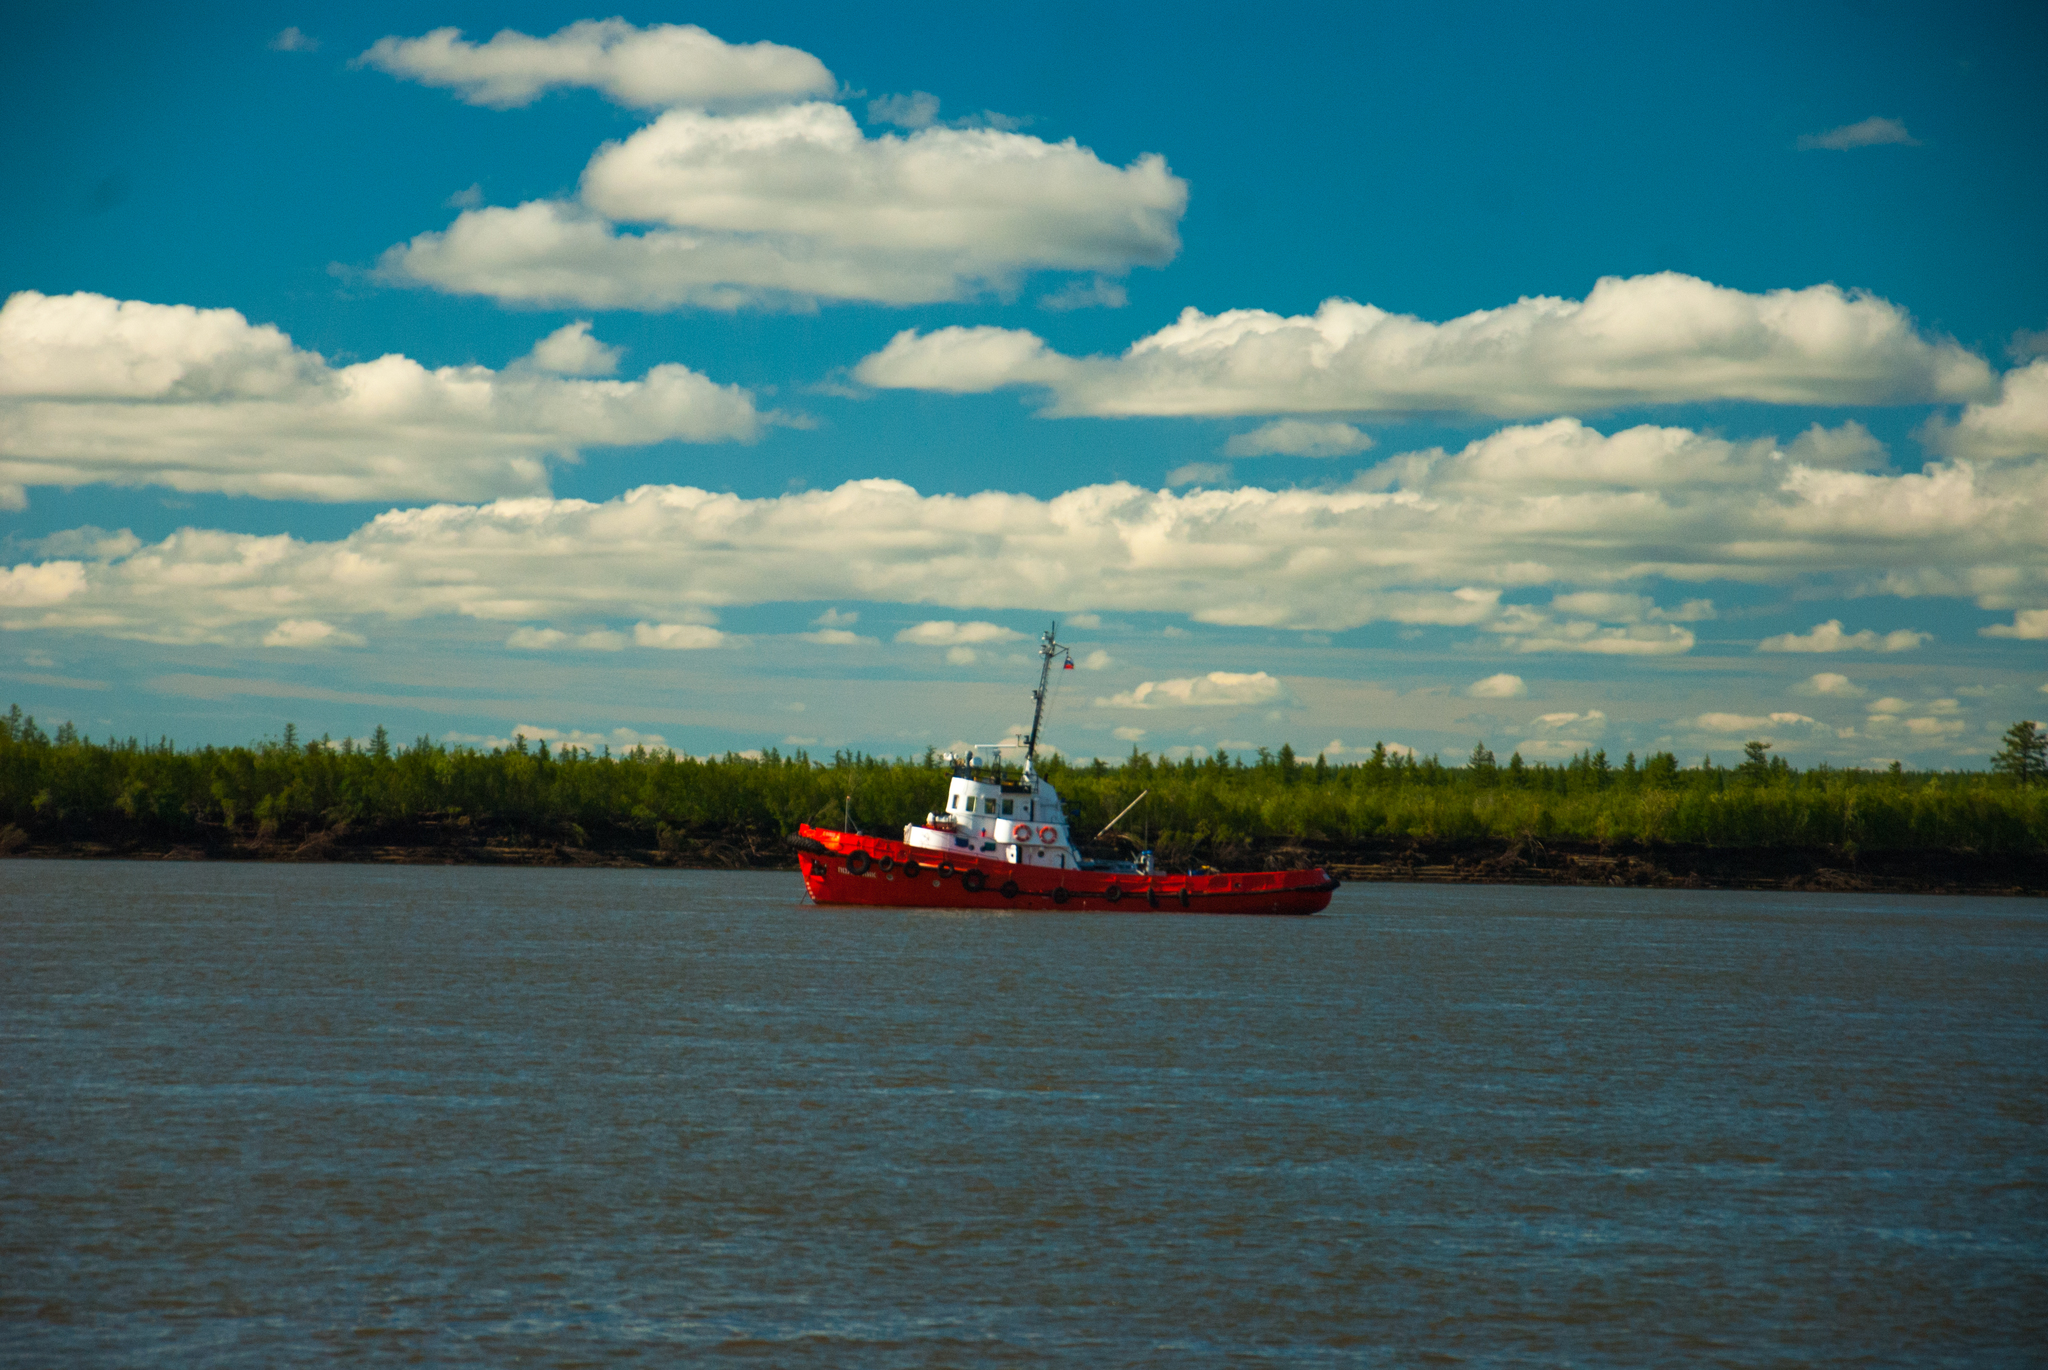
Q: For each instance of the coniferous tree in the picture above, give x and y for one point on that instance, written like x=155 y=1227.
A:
x=2025 y=754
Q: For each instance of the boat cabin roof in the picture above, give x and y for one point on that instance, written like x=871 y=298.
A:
x=980 y=785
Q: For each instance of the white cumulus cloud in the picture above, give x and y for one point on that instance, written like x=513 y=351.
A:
x=2013 y=425
x=1217 y=688
x=34 y=585
x=530 y=639
x=839 y=637
x=1591 y=719
x=658 y=67
x=677 y=636
x=944 y=632
x=1198 y=473
x=1831 y=683
x=310 y=632
x=1662 y=339
x=1525 y=630
x=1298 y=438
x=571 y=351
x=1848 y=447
x=1428 y=539
x=1502 y=686
x=96 y=390
x=1829 y=637
x=2029 y=624
x=795 y=204
x=1761 y=726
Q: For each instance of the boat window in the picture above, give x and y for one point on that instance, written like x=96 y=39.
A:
x=989 y=806
x=1009 y=806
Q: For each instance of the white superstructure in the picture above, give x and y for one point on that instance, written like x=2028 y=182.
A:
x=989 y=817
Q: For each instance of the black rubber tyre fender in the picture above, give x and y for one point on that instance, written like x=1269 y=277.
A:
x=946 y=871
x=972 y=881
x=1185 y=898
x=1059 y=894
x=1114 y=894
x=1009 y=889
x=886 y=864
x=909 y=866
x=1152 y=898
x=858 y=863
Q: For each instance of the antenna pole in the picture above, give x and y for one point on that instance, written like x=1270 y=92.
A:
x=1048 y=648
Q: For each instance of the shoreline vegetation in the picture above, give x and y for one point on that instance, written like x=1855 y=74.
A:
x=1758 y=824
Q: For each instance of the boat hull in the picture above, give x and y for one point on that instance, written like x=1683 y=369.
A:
x=876 y=872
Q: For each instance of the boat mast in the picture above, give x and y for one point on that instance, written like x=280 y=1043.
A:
x=1048 y=649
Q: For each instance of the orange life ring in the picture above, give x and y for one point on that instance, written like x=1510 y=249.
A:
x=1048 y=834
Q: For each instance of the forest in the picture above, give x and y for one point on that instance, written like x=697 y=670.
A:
x=62 y=790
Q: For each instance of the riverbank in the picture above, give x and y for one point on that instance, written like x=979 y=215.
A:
x=1461 y=861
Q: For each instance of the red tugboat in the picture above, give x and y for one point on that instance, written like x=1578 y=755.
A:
x=1004 y=843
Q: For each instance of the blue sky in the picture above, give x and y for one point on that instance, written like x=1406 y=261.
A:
x=1659 y=344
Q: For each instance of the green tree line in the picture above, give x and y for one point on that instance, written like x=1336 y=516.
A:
x=65 y=787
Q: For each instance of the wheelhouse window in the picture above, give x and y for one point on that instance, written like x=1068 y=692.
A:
x=1009 y=807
